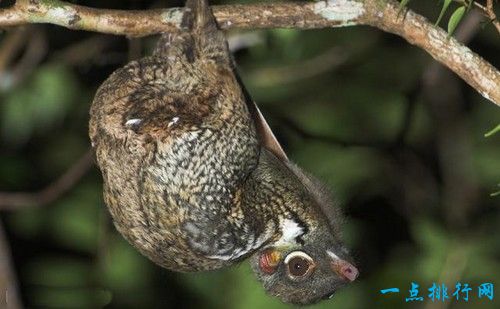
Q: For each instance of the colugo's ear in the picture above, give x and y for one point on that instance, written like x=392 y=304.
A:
x=265 y=134
x=269 y=260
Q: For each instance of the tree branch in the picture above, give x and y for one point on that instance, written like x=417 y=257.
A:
x=486 y=9
x=383 y=14
x=491 y=14
x=18 y=200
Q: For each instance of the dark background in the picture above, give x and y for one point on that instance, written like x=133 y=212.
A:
x=399 y=139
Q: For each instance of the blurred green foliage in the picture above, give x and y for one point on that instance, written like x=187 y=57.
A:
x=343 y=123
x=39 y=103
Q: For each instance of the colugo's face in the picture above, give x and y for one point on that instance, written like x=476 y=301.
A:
x=303 y=275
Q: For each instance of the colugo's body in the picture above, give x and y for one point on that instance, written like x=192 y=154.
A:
x=193 y=177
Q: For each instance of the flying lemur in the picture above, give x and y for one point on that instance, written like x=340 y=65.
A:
x=195 y=179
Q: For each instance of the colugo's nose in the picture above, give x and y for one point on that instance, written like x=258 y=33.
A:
x=344 y=269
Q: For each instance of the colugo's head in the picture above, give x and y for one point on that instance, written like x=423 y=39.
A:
x=308 y=261
x=304 y=273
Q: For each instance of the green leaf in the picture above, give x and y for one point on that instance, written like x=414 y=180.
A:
x=446 y=4
x=402 y=5
x=492 y=132
x=455 y=19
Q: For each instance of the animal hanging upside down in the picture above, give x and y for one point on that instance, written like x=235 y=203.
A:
x=195 y=179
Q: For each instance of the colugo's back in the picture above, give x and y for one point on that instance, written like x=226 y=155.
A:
x=194 y=178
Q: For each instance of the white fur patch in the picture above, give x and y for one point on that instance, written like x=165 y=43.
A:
x=290 y=230
x=132 y=122
x=332 y=255
x=174 y=121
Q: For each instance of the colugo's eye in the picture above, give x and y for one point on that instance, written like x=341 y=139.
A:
x=299 y=264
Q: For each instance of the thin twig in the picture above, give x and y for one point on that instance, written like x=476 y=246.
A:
x=334 y=140
x=83 y=52
x=418 y=31
x=487 y=10
x=491 y=14
x=455 y=151
x=12 y=42
x=383 y=14
x=322 y=63
x=14 y=200
x=35 y=50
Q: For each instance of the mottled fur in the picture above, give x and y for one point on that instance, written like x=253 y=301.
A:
x=186 y=177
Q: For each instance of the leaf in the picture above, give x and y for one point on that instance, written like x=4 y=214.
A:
x=455 y=19
x=492 y=132
x=446 y=4
x=402 y=5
